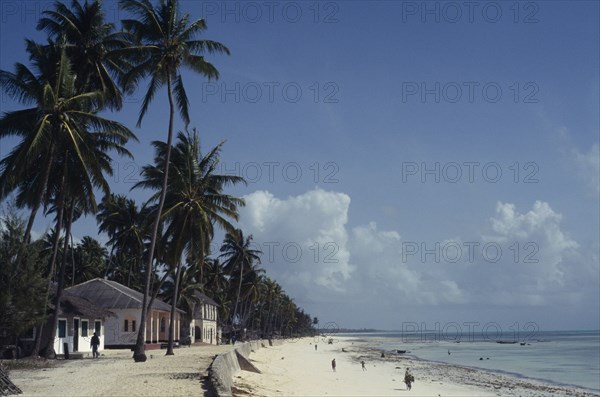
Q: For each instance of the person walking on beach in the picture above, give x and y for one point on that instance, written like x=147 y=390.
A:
x=94 y=343
x=316 y=347
x=333 y=365
x=408 y=379
x=363 y=365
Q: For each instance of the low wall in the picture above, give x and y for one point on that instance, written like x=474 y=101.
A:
x=226 y=365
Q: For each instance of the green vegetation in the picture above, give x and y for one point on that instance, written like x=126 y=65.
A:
x=63 y=157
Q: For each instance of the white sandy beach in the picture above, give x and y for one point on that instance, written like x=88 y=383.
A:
x=292 y=368
x=296 y=369
x=116 y=374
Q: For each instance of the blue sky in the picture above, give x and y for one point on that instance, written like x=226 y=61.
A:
x=343 y=114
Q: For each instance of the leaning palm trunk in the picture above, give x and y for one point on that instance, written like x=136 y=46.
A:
x=38 y=200
x=61 y=280
x=239 y=292
x=139 y=354
x=173 y=308
x=55 y=242
x=72 y=261
x=36 y=206
x=58 y=228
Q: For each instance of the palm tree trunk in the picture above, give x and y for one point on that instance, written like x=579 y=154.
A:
x=157 y=290
x=173 y=307
x=129 y=272
x=139 y=354
x=110 y=260
x=72 y=261
x=239 y=292
x=61 y=279
x=36 y=207
x=57 y=229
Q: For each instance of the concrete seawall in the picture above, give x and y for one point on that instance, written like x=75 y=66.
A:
x=226 y=365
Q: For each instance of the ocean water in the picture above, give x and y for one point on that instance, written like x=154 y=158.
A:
x=562 y=357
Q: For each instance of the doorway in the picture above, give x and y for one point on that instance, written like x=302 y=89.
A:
x=75 y=334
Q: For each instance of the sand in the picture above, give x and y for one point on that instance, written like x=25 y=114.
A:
x=296 y=369
x=292 y=368
x=116 y=374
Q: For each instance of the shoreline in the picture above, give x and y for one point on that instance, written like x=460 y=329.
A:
x=515 y=375
x=384 y=376
x=496 y=371
x=524 y=381
x=289 y=368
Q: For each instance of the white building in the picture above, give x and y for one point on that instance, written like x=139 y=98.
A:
x=203 y=326
x=78 y=319
x=121 y=330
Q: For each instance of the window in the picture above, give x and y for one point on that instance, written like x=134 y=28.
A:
x=62 y=328
x=98 y=327
x=84 y=328
x=132 y=325
x=125 y=325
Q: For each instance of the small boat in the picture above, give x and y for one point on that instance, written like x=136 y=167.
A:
x=401 y=351
x=506 y=342
x=522 y=343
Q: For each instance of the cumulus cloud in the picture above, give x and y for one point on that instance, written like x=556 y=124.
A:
x=303 y=237
x=521 y=258
x=538 y=254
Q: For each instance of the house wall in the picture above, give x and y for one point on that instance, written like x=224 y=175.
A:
x=69 y=336
x=115 y=333
x=204 y=324
x=157 y=327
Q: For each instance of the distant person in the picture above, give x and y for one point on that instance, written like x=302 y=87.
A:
x=408 y=378
x=333 y=365
x=233 y=340
x=94 y=343
x=363 y=365
x=448 y=351
x=315 y=347
x=382 y=355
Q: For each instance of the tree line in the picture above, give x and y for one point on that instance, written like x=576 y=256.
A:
x=63 y=158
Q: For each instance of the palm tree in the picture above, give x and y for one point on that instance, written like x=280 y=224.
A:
x=213 y=276
x=216 y=284
x=273 y=291
x=127 y=229
x=194 y=202
x=81 y=174
x=46 y=129
x=91 y=44
x=164 y=43
x=188 y=285
x=239 y=257
x=89 y=260
x=252 y=287
x=56 y=133
x=21 y=303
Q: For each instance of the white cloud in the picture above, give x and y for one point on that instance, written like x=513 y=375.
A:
x=537 y=254
x=588 y=165
x=364 y=266
x=304 y=237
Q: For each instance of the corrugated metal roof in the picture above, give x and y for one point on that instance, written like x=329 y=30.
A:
x=112 y=295
x=79 y=306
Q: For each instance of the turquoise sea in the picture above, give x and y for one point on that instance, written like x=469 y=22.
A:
x=561 y=357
